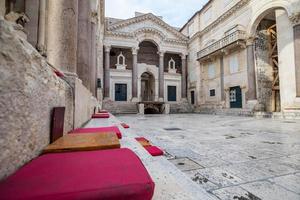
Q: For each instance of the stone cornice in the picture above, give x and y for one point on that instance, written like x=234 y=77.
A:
x=149 y=16
x=221 y=19
x=132 y=35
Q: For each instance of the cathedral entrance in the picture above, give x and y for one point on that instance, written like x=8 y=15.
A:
x=147 y=87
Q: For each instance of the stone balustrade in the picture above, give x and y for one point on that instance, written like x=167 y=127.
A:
x=222 y=43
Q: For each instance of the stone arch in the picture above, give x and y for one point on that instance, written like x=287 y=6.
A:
x=263 y=11
x=150 y=34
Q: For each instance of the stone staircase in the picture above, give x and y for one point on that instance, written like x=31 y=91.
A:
x=182 y=107
x=120 y=107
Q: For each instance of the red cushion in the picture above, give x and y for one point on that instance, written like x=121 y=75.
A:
x=154 y=150
x=114 y=129
x=107 y=174
x=141 y=139
x=100 y=115
x=125 y=125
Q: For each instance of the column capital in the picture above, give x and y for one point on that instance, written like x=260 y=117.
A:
x=134 y=50
x=161 y=53
x=250 y=41
x=295 y=18
x=183 y=56
x=107 y=48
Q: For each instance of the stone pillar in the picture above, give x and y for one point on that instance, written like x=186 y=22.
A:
x=222 y=78
x=62 y=37
x=251 y=93
x=93 y=75
x=107 y=72
x=42 y=28
x=84 y=57
x=134 y=74
x=183 y=76
x=297 y=57
x=161 y=76
x=32 y=11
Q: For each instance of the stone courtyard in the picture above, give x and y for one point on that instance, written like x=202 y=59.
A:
x=230 y=157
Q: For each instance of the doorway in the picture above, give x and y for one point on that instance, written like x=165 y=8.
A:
x=147 y=87
x=120 y=92
x=235 y=95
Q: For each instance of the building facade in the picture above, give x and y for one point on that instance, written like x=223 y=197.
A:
x=145 y=61
x=244 y=54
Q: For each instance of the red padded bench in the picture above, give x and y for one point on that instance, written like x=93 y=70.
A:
x=100 y=115
x=125 y=125
x=154 y=150
x=107 y=174
x=106 y=129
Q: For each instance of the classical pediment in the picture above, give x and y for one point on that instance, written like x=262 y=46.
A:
x=146 y=24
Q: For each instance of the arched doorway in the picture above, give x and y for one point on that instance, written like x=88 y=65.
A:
x=266 y=59
x=147 y=87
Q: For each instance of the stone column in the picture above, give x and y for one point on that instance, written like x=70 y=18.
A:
x=222 y=78
x=32 y=26
x=183 y=76
x=251 y=93
x=62 y=38
x=134 y=74
x=42 y=28
x=84 y=57
x=161 y=76
x=107 y=72
x=297 y=57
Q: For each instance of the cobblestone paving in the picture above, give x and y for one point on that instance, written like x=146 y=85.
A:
x=234 y=158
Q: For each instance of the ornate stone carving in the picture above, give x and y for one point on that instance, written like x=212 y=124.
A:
x=121 y=62
x=149 y=16
x=172 y=66
x=295 y=18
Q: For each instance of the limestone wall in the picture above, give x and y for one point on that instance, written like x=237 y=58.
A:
x=29 y=90
x=84 y=104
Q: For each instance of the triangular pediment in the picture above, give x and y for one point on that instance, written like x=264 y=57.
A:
x=147 y=22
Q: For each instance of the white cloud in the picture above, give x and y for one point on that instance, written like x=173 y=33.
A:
x=174 y=12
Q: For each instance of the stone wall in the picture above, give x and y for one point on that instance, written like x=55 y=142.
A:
x=29 y=89
x=84 y=104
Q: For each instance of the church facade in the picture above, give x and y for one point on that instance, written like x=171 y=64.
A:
x=145 y=61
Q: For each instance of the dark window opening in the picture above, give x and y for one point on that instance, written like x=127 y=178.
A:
x=192 y=97
x=120 y=92
x=212 y=93
x=171 y=93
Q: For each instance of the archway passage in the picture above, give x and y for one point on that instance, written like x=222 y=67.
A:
x=147 y=87
x=148 y=53
x=151 y=111
x=266 y=58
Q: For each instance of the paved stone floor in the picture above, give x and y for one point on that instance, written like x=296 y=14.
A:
x=235 y=158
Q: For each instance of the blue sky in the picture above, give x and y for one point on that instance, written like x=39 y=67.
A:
x=174 y=12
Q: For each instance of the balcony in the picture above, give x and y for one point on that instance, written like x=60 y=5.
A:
x=237 y=37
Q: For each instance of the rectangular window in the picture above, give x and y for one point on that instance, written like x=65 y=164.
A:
x=171 y=93
x=211 y=70
x=120 y=92
x=192 y=97
x=212 y=93
x=233 y=64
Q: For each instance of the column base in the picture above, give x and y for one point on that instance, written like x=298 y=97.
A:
x=134 y=99
x=160 y=99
